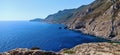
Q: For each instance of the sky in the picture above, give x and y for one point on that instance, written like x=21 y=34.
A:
x=30 y=9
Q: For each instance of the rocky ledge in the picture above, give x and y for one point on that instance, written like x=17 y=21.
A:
x=25 y=51
x=94 y=49
x=83 y=49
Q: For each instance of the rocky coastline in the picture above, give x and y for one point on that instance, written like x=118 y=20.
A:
x=100 y=18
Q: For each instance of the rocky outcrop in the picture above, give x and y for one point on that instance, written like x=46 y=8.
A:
x=100 y=18
x=94 y=49
x=25 y=51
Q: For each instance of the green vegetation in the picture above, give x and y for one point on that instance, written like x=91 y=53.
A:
x=35 y=48
x=114 y=42
x=69 y=51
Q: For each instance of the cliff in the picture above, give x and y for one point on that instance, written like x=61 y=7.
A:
x=100 y=18
x=102 y=21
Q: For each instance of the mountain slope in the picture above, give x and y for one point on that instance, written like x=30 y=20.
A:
x=100 y=18
x=103 y=20
x=61 y=16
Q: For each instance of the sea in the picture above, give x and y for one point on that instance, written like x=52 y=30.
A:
x=48 y=37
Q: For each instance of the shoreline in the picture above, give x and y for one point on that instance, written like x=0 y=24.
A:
x=78 y=31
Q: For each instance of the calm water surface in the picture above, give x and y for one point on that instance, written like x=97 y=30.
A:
x=23 y=34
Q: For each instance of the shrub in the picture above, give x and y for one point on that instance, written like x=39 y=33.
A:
x=69 y=51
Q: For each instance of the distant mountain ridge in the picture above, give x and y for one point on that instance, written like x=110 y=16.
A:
x=37 y=20
x=61 y=16
x=100 y=18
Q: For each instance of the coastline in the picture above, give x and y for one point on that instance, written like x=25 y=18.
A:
x=79 y=31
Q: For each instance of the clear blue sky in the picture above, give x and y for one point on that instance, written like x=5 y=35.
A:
x=30 y=9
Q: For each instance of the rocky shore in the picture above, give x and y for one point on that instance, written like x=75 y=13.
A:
x=104 y=48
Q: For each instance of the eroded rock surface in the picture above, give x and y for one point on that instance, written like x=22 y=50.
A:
x=94 y=49
x=25 y=51
x=102 y=21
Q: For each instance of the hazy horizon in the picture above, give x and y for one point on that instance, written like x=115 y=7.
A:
x=30 y=9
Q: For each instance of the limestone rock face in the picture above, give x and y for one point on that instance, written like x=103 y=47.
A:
x=102 y=21
x=94 y=49
x=25 y=51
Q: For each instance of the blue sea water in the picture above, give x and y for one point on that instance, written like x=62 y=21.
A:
x=24 y=34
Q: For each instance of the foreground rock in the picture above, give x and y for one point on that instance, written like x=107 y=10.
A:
x=94 y=49
x=83 y=49
x=24 y=51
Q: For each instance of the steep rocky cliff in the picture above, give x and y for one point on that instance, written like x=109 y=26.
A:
x=103 y=20
x=100 y=18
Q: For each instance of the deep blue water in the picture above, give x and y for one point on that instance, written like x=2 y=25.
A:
x=23 y=34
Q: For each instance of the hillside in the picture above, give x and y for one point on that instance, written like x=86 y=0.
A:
x=61 y=16
x=94 y=49
x=100 y=18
